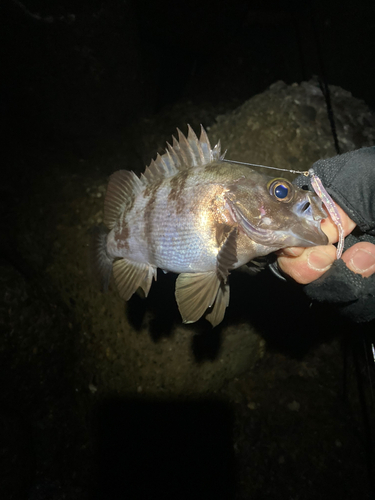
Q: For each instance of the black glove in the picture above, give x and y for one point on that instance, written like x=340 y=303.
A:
x=350 y=180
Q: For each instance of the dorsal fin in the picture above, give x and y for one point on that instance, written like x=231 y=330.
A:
x=123 y=187
x=184 y=153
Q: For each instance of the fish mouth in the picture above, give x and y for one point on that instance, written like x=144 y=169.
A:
x=307 y=231
x=307 y=234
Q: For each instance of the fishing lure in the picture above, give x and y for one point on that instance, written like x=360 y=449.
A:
x=330 y=206
x=319 y=190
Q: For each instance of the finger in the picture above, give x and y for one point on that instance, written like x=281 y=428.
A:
x=291 y=251
x=330 y=228
x=360 y=258
x=310 y=265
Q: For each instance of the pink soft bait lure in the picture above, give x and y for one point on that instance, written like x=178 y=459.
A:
x=331 y=207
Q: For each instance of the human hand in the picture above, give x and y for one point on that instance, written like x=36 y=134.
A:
x=305 y=265
x=347 y=283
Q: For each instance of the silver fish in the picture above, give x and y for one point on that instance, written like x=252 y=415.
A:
x=193 y=214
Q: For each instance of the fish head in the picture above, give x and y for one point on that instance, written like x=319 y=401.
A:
x=275 y=213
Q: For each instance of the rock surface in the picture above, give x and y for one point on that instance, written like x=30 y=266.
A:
x=96 y=346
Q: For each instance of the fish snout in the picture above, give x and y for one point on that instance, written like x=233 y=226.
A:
x=307 y=230
x=311 y=207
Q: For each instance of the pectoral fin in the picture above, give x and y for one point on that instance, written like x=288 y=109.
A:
x=227 y=256
x=195 y=292
x=226 y=260
x=129 y=276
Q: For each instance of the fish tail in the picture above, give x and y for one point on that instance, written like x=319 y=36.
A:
x=100 y=262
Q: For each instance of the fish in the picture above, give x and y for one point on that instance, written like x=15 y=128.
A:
x=192 y=214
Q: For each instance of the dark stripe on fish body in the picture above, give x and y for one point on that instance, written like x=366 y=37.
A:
x=122 y=235
x=177 y=184
x=212 y=167
x=150 y=192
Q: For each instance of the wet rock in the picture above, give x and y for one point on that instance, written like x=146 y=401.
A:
x=287 y=126
x=67 y=348
x=143 y=343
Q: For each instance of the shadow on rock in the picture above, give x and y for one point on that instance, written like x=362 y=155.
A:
x=281 y=313
x=141 y=449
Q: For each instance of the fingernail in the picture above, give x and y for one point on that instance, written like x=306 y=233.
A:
x=362 y=260
x=290 y=251
x=319 y=261
x=286 y=252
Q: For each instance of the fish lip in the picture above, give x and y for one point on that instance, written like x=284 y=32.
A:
x=304 y=243
x=309 y=231
x=311 y=234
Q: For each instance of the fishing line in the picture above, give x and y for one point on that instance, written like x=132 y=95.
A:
x=266 y=166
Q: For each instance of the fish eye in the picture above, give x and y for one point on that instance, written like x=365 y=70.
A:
x=281 y=189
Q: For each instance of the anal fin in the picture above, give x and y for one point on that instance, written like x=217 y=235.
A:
x=146 y=283
x=129 y=276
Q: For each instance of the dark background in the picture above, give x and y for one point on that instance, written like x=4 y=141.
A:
x=83 y=70
x=78 y=78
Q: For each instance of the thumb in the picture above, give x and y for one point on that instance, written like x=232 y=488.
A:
x=360 y=258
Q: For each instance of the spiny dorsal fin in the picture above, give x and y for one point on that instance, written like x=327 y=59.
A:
x=185 y=152
x=123 y=187
x=179 y=152
x=206 y=146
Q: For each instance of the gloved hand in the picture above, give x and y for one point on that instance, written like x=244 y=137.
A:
x=349 y=282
